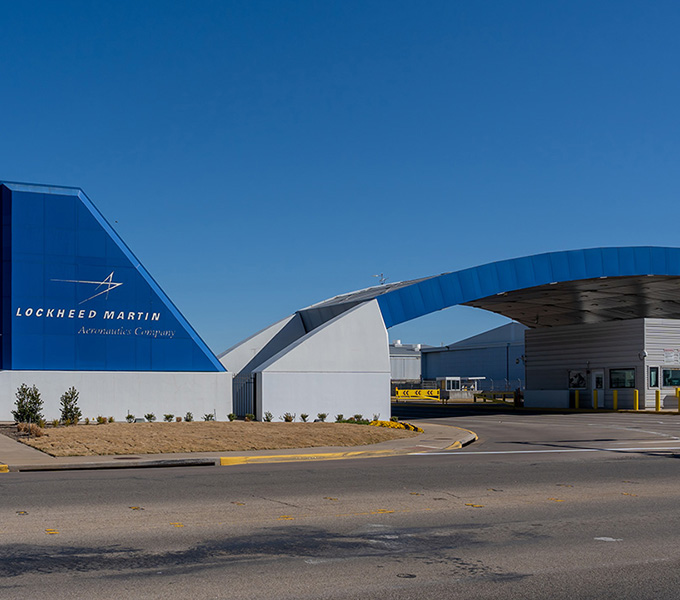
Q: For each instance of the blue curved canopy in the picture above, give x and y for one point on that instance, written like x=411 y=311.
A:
x=584 y=286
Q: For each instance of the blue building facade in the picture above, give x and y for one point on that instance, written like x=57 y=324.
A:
x=75 y=298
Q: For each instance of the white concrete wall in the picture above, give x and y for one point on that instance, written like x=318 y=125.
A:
x=113 y=394
x=343 y=366
x=262 y=345
x=546 y=398
x=367 y=394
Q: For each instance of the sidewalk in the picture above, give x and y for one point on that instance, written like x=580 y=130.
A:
x=15 y=456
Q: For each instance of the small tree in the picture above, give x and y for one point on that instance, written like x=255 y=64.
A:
x=29 y=405
x=70 y=413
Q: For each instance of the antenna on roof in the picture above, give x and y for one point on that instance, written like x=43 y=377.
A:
x=382 y=280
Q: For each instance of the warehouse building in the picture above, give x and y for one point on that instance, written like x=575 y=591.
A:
x=496 y=355
x=405 y=362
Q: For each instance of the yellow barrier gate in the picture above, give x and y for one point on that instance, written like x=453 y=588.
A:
x=426 y=394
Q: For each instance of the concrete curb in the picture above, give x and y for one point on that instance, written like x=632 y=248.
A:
x=468 y=439
x=137 y=464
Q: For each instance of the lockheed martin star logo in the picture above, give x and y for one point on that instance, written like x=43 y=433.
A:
x=108 y=284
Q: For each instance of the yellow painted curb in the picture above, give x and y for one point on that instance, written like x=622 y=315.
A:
x=226 y=461
x=4 y=469
x=468 y=430
x=457 y=444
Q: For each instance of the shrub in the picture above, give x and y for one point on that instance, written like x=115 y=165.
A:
x=35 y=430
x=150 y=417
x=304 y=417
x=178 y=419
x=394 y=419
x=230 y=416
x=358 y=417
x=168 y=418
x=376 y=417
x=70 y=413
x=208 y=417
x=29 y=405
x=268 y=417
x=250 y=417
x=101 y=420
x=321 y=417
x=87 y=420
x=288 y=418
x=130 y=418
x=55 y=423
x=112 y=420
x=339 y=418
x=189 y=417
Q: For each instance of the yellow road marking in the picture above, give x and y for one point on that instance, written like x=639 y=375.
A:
x=474 y=505
x=243 y=460
x=555 y=499
x=4 y=469
x=177 y=524
x=51 y=531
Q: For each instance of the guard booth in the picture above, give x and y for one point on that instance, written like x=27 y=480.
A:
x=458 y=387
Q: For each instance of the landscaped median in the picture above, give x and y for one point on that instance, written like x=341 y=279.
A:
x=213 y=436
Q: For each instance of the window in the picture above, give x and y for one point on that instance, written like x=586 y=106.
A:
x=653 y=377
x=671 y=377
x=452 y=384
x=622 y=378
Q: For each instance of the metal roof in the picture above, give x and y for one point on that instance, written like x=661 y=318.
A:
x=556 y=288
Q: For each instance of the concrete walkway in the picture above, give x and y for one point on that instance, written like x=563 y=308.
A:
x=15 y=456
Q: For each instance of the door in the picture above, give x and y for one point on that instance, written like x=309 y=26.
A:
x=597 y=383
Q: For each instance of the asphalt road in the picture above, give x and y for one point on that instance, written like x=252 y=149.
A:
x=542 y=506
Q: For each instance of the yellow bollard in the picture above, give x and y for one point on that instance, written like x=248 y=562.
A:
x=576 y=395
x=636 y=400
x=594 y=399
x=658 y=400
x=616 y=399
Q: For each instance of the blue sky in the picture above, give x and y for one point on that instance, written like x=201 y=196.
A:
x=261 y=156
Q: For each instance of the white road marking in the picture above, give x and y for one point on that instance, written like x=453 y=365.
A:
x=608 y=539
x=459 y=453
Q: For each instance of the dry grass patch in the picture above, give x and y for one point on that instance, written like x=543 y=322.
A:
x=155 y=438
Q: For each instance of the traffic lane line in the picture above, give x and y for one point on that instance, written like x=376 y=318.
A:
x=556 y=451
